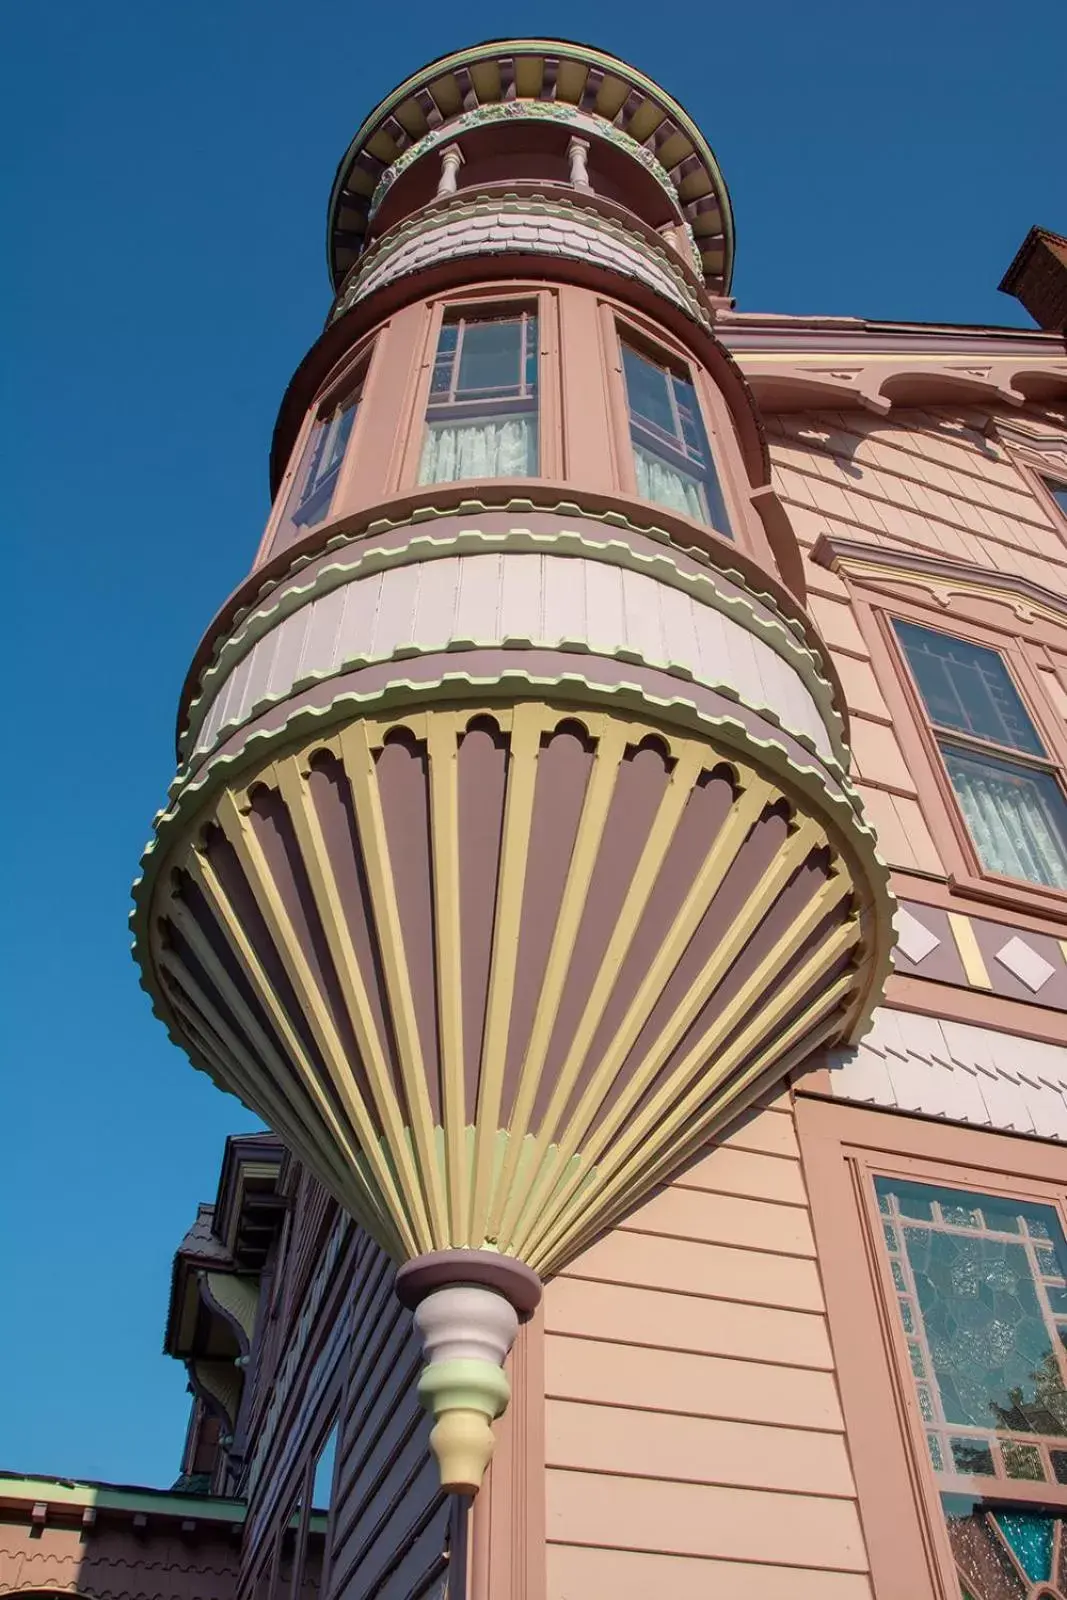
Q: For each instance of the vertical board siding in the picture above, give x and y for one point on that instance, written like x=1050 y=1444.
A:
x=694 y=1439
x=389 y=1523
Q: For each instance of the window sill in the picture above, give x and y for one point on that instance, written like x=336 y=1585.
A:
x=1012 y=893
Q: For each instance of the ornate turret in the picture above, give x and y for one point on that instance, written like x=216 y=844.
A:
x=512 y=851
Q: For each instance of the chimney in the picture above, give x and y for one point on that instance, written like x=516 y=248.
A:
x=1038 y=278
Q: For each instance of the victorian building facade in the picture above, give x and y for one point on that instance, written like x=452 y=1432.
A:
x=619 y=848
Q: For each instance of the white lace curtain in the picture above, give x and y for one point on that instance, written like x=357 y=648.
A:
x=1010 y=821
x=500 y=447
x=657 y=480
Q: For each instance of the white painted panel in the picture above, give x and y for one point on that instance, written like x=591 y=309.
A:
x=564 y=605
x=484 y=600
x=321 y=641
x=642 y=619
x=355 y=636
x=287 y=657
x=435 y=612
x=394 y=626
x=521 y=588
x=479 y=599
x=604 y=610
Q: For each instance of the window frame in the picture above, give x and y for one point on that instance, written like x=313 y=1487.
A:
x=1050 y=483
x=623 y=328
x=519 y=296
x=844 y=1148
x=357 y=366
x=965 y=869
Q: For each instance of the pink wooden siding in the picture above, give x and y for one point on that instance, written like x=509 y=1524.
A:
x=933 y=483
x=694 y=1441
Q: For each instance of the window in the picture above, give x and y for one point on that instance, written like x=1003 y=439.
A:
x=322 y=1477
x=672 y=458
x=320 y=463
x=1058 y=491
x=1014 y=809
x=981 y=1288
x=481 y=418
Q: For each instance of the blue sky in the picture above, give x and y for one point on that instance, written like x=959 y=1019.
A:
x=163 y=275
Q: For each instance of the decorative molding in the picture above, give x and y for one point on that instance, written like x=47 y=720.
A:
x=956 y=1071
x=535 y=224
x=943 y=576
x=969 y=952
x=533 y=111
x=501 y=78
x=866 y=379
x=479 y=591
x=392 y=1139
x=236 y=1299
x=681 y=542
x=970 y=955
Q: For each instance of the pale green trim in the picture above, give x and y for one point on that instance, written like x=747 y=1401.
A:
x=255 y=625
x=104 y=1497
x=464 y=1384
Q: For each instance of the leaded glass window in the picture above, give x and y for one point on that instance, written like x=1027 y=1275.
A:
x=1015 y=810
x=981 y=1289
x=980 y=1285
x=481 y=417
x=1002 y=1553
x=672 y=457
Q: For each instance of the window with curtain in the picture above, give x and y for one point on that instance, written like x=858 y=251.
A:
x=1009 y=792
x=319 y=468
x=980 y=1283
x=481 y=418
x=672 y=458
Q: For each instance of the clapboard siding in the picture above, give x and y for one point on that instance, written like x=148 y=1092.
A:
x=694 y=1441
x=691 y=1385
x=930 y=483
x=579 y=1573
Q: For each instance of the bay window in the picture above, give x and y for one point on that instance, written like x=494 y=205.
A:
x=1008 y=790
x=482 y=412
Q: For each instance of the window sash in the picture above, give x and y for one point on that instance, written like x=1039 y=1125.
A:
x=1010 y=796
x=684 y=451
x=446 y=387
x=996 y=701
x=1016 y=814
x=322 y=458
x=1058 y=491
x=487 y=432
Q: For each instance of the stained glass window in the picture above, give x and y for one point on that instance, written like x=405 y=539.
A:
x=1005 y=1553
x=981 y=1292
x=980 y=1284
